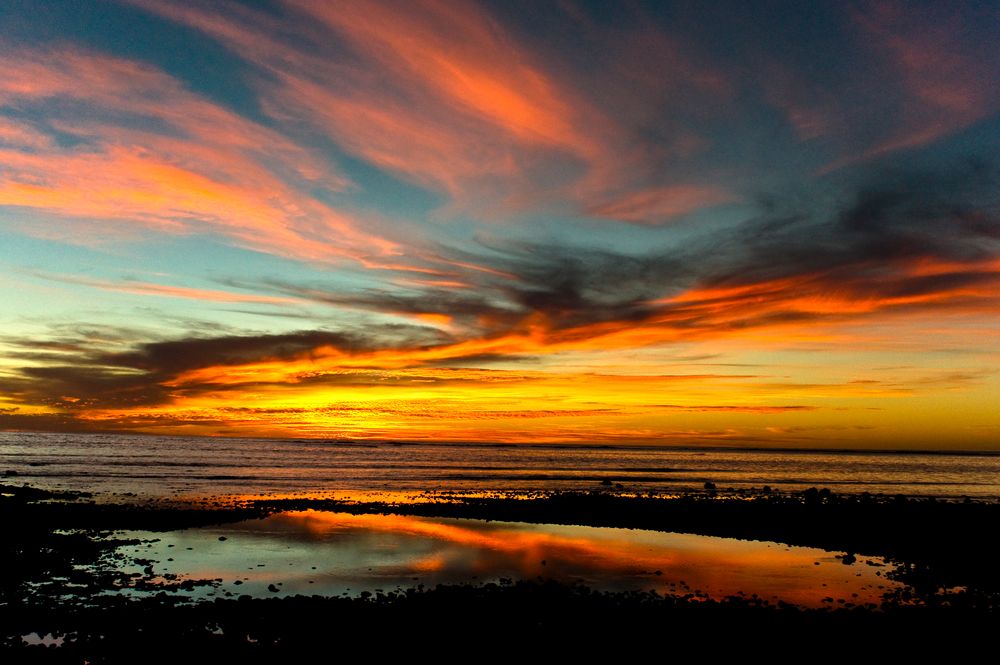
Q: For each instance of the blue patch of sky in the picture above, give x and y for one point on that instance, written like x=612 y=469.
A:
x=378 y=190
x=116 y=29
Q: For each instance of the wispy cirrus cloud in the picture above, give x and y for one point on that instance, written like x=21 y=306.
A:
x=659 y=204
x=450 y=98
x=94 y=140
x=143 y=288
x=935 y=77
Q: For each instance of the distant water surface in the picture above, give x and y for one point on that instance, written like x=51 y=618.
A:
x=159 y=466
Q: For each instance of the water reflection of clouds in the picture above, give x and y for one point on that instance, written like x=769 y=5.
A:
x=328 y=553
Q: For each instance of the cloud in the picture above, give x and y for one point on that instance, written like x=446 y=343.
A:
x=426 y=410
x=937 y=78
x=142 y=288
x=87 y=376
x=735 y=408
x=45 y=422
x=170 y=357
x=662 y=203
x=909 y=243
x=114 y=143
x=457 y=101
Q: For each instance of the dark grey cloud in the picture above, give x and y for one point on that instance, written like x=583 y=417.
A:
x=901 y=217
x=88 y=377
x=55 y=422
x=867 y=248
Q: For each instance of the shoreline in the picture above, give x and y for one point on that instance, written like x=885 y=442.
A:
x=936 y=546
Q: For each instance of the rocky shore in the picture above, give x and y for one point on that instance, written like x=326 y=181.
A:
x=59 y=552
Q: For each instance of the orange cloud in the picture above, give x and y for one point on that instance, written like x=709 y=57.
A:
x=170 y=291
x=446 y=97
x=22 y=135
x=811 y=307
x=458 y=55
x=183 y=165
x=444 y=404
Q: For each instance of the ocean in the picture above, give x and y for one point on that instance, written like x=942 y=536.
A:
x=196 y=467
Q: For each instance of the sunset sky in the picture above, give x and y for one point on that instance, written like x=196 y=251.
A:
x=704 y=223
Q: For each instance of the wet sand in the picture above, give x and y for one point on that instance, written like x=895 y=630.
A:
x=59 y=561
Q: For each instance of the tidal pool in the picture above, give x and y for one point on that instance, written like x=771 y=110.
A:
x=330 y=554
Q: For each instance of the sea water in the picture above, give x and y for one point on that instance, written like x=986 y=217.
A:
x=170 y=466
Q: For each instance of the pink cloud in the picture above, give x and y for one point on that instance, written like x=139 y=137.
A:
x=182 y=164
x=170 y=291
x=658 y=204
x=443 y=95
x=943 y=79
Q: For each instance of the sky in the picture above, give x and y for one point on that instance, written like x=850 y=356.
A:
x=767 y=224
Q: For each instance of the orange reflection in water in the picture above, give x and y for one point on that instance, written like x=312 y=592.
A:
x=606 y=558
